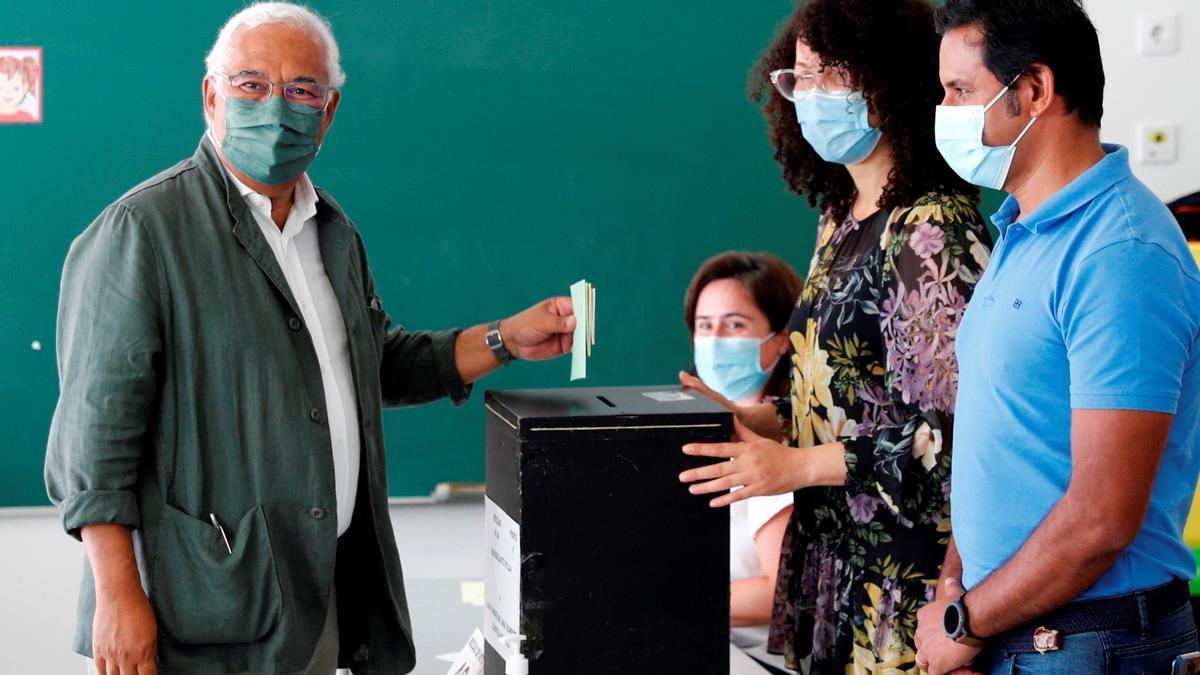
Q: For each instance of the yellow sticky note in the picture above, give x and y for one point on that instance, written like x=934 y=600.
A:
x=472 y=593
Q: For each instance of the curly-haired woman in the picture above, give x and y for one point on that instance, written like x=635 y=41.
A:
x=866 y=438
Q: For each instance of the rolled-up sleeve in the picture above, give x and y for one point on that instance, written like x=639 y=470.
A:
x=108 y=342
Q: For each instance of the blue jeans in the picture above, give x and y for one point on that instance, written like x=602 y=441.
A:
x=1147 y=648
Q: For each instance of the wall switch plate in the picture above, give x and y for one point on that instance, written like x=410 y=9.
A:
x=1157 y=33
x=1157 y=143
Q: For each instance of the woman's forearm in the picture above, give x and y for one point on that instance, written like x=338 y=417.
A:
x=750 y=601
x=762 y=419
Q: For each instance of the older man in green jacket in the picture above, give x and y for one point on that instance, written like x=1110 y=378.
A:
x=223 y=359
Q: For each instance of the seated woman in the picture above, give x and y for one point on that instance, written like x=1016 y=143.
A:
x=737 y=308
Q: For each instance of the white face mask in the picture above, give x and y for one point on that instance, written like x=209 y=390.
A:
x=958 y=132
x=837 y=126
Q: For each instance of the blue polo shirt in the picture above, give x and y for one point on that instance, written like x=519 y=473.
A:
x=1091 y=302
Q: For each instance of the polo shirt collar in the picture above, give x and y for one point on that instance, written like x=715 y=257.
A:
x=1113 y=168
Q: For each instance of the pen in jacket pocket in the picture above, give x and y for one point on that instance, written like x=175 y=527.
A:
x=213 y=517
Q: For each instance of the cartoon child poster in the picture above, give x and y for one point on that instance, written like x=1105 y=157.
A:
x=20 y=85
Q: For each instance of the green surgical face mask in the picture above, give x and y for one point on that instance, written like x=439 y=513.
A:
x=273 y=141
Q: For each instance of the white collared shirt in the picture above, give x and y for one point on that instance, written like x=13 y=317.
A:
x=299 y=254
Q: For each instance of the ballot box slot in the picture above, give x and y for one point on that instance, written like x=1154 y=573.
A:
x=607 y=402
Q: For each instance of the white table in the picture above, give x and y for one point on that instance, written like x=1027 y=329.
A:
x=442 y=623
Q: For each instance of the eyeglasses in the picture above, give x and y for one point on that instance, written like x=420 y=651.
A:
x=255 y=88
x=796 y=85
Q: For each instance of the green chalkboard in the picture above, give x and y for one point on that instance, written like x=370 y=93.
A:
x=491 y=152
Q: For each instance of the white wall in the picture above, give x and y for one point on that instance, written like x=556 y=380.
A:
x=40 y=566
x=1152 y=88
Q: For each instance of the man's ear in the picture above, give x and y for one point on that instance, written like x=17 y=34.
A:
x=330 y=110
x=1039 y=80
x=208 y=95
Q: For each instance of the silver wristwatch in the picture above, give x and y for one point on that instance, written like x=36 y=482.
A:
x=495 y=342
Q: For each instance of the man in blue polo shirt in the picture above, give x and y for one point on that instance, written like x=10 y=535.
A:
x=1077 y=421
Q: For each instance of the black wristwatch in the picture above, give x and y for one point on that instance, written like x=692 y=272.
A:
x=495 y=342
x=956 y=624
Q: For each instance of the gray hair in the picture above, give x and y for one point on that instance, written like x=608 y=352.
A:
x=261 y=13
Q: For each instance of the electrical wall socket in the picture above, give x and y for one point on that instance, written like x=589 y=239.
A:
x=1157 y=143
x=1157 y=33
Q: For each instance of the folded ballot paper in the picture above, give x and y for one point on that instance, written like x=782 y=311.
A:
x=583 y=299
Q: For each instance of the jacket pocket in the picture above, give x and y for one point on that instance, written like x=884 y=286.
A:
x=378 y=322
x=202 y=593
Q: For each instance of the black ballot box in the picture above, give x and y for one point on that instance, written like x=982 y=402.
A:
x=595 y=552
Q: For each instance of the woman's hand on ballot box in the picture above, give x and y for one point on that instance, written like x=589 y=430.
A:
x=757 y=465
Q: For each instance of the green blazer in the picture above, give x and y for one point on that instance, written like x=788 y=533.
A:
x=189 y=387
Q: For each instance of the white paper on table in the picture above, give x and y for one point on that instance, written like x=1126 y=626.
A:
x=470 y=659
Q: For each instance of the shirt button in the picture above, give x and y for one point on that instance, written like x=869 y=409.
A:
x=315 y=415
x=294 y=323
x=317 y=512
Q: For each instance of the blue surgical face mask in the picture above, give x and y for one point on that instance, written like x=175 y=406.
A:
x=732 y=366
x=836 y=126
x=273 y=141
x=958 y=132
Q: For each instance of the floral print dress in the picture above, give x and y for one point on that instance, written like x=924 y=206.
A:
x=873 y=367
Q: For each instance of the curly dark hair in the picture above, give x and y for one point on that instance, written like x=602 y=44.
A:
x=889 y=49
